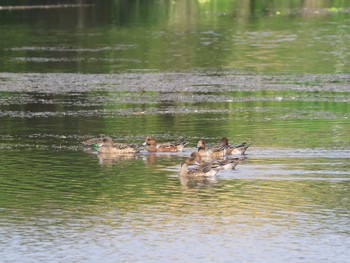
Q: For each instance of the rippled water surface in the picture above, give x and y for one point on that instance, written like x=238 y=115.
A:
x=273 y=74
x=288 y=201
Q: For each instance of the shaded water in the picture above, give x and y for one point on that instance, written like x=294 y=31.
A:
x=287 y=202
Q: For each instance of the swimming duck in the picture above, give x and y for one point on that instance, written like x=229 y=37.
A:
x=93 y=142
x=234 y=149
x=203 y=170
x=152 y=146
x=219 y=164
x=214 y=152
x=107 y=147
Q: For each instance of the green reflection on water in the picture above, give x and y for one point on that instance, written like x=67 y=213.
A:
x=54 y=179
x=266 y=118
x=113 y=36
x=72 y=183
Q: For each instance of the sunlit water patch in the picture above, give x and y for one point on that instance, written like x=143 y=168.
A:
x=133 y=209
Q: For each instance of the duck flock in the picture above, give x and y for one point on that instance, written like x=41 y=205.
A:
x=205 y=162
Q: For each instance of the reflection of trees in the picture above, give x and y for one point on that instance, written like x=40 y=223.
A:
x=170 y=35
x=183 y=14
x=180 y=13
x=312 y=3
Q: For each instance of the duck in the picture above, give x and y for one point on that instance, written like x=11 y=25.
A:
x=214 y=152
x=234 y=149
x=220 y=164
x=202 y=170
x=152 y=146
x=94 y=142
x=108 y=147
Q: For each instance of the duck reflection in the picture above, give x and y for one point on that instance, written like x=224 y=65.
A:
x=151 y=158
x=193 y=183
x=110 y=159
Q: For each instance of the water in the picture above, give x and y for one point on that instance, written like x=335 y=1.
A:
x=208 y=75
x=288 y=201
x=115 y=36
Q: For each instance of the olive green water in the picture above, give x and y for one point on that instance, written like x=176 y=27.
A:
x=276 y=75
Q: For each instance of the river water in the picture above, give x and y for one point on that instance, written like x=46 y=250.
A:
x=275 y=75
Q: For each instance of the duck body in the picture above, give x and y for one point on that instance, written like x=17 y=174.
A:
x=203 y=170
x=234 y=149
x=108 y=147
x=227 y=164
x=118 y=148
x=96 y=141
x=218 y=164
x=210 y=152
x=152 y=146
